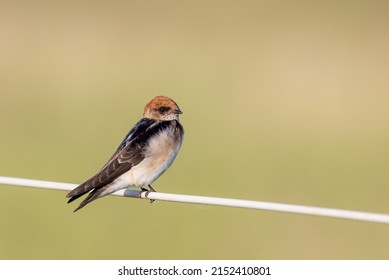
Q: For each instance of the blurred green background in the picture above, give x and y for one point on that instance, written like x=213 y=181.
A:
x=284 y=101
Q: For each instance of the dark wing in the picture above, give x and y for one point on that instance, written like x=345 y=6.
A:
x=129 y=153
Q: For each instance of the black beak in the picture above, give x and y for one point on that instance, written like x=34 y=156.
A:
x=178 y=111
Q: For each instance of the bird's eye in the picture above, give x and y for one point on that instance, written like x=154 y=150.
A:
x=162 y=109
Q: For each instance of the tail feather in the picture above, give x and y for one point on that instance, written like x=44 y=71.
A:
x=93 y=195
x=75 y=197
x=82 y=189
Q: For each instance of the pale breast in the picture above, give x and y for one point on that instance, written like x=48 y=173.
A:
x=159 y=155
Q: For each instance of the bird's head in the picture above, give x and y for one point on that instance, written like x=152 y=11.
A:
x=162 y=108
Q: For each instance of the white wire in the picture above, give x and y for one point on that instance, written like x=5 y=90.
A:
x=269 y=206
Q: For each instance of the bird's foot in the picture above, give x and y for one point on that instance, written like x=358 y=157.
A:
x=147 y=191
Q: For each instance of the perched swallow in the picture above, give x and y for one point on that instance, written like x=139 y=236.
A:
x=145 y=153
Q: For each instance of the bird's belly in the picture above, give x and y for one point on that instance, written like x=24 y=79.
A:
x=161 y=152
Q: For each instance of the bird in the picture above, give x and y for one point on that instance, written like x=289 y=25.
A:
x=145 y=153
